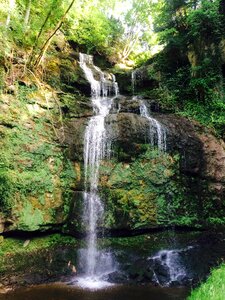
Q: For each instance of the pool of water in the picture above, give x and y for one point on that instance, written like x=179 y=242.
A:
x=160 y=266
x=59 y=291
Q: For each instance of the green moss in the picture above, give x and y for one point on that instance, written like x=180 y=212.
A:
x=148 y=192
x=6 y=190
x=133 y=191
x=35 y=176
x=2 y=78
x=19 y=254
x=74 y=105
x=30 y=218
x=13 y=246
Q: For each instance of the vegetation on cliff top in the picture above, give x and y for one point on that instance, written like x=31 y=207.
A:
x=109 y=28
x=189 y=68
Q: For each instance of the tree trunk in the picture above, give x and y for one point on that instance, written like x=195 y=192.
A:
x=12 y=4
x=33 y=51
x=48 y=41
x=27 y=15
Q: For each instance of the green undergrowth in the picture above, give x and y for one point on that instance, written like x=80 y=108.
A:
x=13 y=245
x=149 y=243
x=15 y=253
x=213 y=288
x=209 y=112
x=127 y=242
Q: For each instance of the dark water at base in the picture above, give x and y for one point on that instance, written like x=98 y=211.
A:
x=151 y=258
x=118 y=292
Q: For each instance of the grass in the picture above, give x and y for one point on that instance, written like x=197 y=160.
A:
x=22 y=254
x=213 y=288
x=13 y=246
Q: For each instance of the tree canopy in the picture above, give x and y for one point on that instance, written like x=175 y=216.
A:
x=187 y=34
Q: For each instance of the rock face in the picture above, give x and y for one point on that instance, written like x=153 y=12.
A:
x=139 y=80
x=41 y=164
x=181 y=183
x=36 y=174
x=142 y=187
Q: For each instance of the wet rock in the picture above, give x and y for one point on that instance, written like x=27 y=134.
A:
x=201 y=153
x=74 y=138
x=127 y=128
x=140 y=271
x=161 y=270
x=123 y=104
x=142 y=80
x=118 y=277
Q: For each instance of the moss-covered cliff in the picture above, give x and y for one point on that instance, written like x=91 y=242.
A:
x=41 y=172
x=36 y=176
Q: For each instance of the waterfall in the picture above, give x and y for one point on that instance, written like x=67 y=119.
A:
x=133 y=82
x=169 y=267
x=96 y=264
x=154 y=125
x=115 y=85
x=136 y=75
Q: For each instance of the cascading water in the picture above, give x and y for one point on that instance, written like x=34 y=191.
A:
x=95 y=264
x=154 y=125
x=115 y=85
x=169 y=267
x=136 y=76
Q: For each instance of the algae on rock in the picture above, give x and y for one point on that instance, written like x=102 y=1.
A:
x=35 y=175
x=144 y=193
x=36 y=260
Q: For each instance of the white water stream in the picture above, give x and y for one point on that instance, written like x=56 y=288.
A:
x=95 y=263
x=171 y=262
x=154 y=126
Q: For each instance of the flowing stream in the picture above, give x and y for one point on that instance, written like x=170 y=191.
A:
x=154 y=125
x=95 y=263
x=157 y=132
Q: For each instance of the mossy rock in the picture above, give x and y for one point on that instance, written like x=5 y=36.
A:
x=35 y=176
x=148 y=192
x=131 y=191
x=36 y=260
